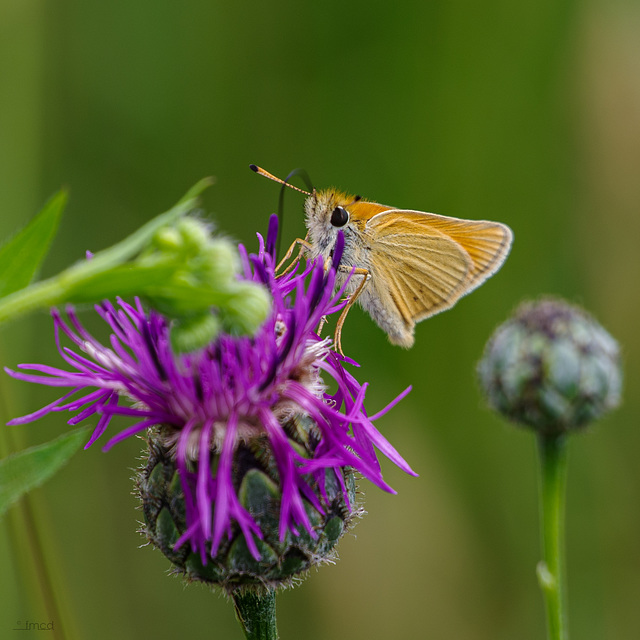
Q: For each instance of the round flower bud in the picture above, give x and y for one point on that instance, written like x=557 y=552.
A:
x=255 y=475
x=195 y=332
x=222 y=262
x=551 y=367
x=246 y=309
x=195 y=234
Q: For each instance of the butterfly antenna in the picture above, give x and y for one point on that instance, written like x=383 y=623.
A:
x=266 y=174
x=285 y=183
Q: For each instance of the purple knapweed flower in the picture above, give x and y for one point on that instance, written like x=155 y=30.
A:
x=207 y=403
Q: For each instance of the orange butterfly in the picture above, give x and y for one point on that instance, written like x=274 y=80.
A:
x=409 y=265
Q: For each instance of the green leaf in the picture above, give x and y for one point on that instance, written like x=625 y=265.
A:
x=21 y=256
x=23 y=471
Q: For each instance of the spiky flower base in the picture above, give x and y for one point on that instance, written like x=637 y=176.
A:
x=255 y=479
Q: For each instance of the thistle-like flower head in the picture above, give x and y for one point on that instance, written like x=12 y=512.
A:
x=205 y=406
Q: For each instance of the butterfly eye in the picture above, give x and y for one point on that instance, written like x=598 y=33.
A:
x=339 y=217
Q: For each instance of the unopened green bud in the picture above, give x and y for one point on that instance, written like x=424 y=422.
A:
x=551 y=367
x=167 y=239
x=188 y=238
x=203 y=279
x=195 y=233
x=222 y=261
x=247 y=309
x=195 y=332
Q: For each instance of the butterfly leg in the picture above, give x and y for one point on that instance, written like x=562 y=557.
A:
x=304 y=244
x=323 y=321
x=327 y=265
x=366 y=276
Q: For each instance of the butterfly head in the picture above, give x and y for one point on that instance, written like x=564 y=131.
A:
x=329 y=211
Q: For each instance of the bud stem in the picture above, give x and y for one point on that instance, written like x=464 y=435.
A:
x=256 y=613
x=553 y=474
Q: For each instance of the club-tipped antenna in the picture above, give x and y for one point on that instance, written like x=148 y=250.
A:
x=266 y=174
x=285 y=183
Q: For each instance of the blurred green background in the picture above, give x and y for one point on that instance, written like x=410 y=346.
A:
x=522 y=112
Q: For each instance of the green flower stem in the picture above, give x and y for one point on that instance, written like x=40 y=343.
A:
x=256 y=613
x=553 y=474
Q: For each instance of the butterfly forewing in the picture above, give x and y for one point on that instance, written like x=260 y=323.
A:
x=487 y=243
x=424 y=273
